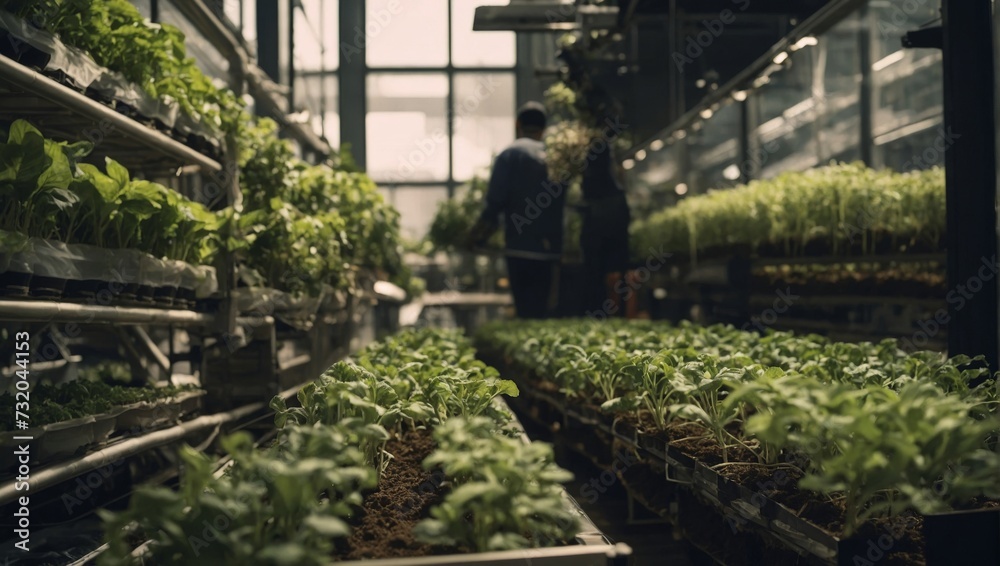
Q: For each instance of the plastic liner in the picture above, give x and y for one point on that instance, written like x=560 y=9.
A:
x=80 y=262
x=56 y=441
x=84 y=72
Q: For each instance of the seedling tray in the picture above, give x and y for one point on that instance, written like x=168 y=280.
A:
x=592 y=548
x=57 y=441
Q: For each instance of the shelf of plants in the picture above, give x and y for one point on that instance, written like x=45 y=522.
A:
x=817 y=446
x=406 y=453
x=100 y=71
x=84 y=415
x=831 y=214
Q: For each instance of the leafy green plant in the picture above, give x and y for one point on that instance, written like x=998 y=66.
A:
x=505 y=494
x=847 y=208
x=455 y=217
x=97 y=392
x=872 y=428
x=265 y=510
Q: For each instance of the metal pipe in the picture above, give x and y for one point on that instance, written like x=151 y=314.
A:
x=35 y=83
x=106 y=456
x=48 y=311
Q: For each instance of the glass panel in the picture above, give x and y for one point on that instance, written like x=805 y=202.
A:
x=232 y=9
x=402 y=33
x=250 y=25
x=143 y=7
x=319 y=97
x=652 y=182
x=316 y=25
x=484 y=121
x=788 y=113
x=417 y=207
x=838 y=58
x=715 y=151
x=207 y=57
x=407 y=127
x=307 y=54
x=478 y=48
x=907 y=90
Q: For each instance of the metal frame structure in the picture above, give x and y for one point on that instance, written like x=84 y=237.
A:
x=352 y=76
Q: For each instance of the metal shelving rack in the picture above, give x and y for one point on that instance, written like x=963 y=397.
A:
x=62 y=113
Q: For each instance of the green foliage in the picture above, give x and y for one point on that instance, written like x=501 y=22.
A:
x=48 y=194
x=502 y=490
x=292 y=502
x=455 y=217
x=264 y=510
x=848 y=208
x=96 y=392
x=876 y=429
x=151 y=55
x=303 y=226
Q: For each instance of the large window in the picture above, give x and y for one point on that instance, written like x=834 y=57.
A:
x=438 y=99
x=440 y=102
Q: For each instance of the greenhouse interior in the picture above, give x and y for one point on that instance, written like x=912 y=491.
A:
x=304 y=282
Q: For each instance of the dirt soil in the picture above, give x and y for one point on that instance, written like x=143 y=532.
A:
x=405 y=495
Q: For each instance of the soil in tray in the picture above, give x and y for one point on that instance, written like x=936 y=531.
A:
x=405 y=495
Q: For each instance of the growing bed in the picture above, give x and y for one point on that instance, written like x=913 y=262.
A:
x=409 y=453
x=731 y=417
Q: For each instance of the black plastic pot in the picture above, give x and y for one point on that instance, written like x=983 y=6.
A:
x=82 y=289
x=969 y=538
x=15 y=284
x=186 y=298
x=144 y=294
x=47 y=287
x=20 y=51
x=129 y=293
x=164 y=296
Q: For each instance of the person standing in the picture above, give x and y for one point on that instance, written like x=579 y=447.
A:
x=604 y=240
x=532 y=207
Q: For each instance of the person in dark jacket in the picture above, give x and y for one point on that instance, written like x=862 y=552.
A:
x=604 y=234
x=532 y=207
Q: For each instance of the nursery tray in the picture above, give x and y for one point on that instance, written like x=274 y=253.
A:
x=592 y=548
x=57 y=441
x=604 y=555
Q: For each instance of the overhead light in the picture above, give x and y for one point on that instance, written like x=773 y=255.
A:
x=696 y=126
x=740 y=95
x=761 y=81
x=700 y=83
x=780 y=58
x=681 y=188
x=680 y=134
x=805 y=42
x=640 y=155
x=731 y=173
x=628 y=164
x=547 y=16
x=706 y=113
x=656 y=145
